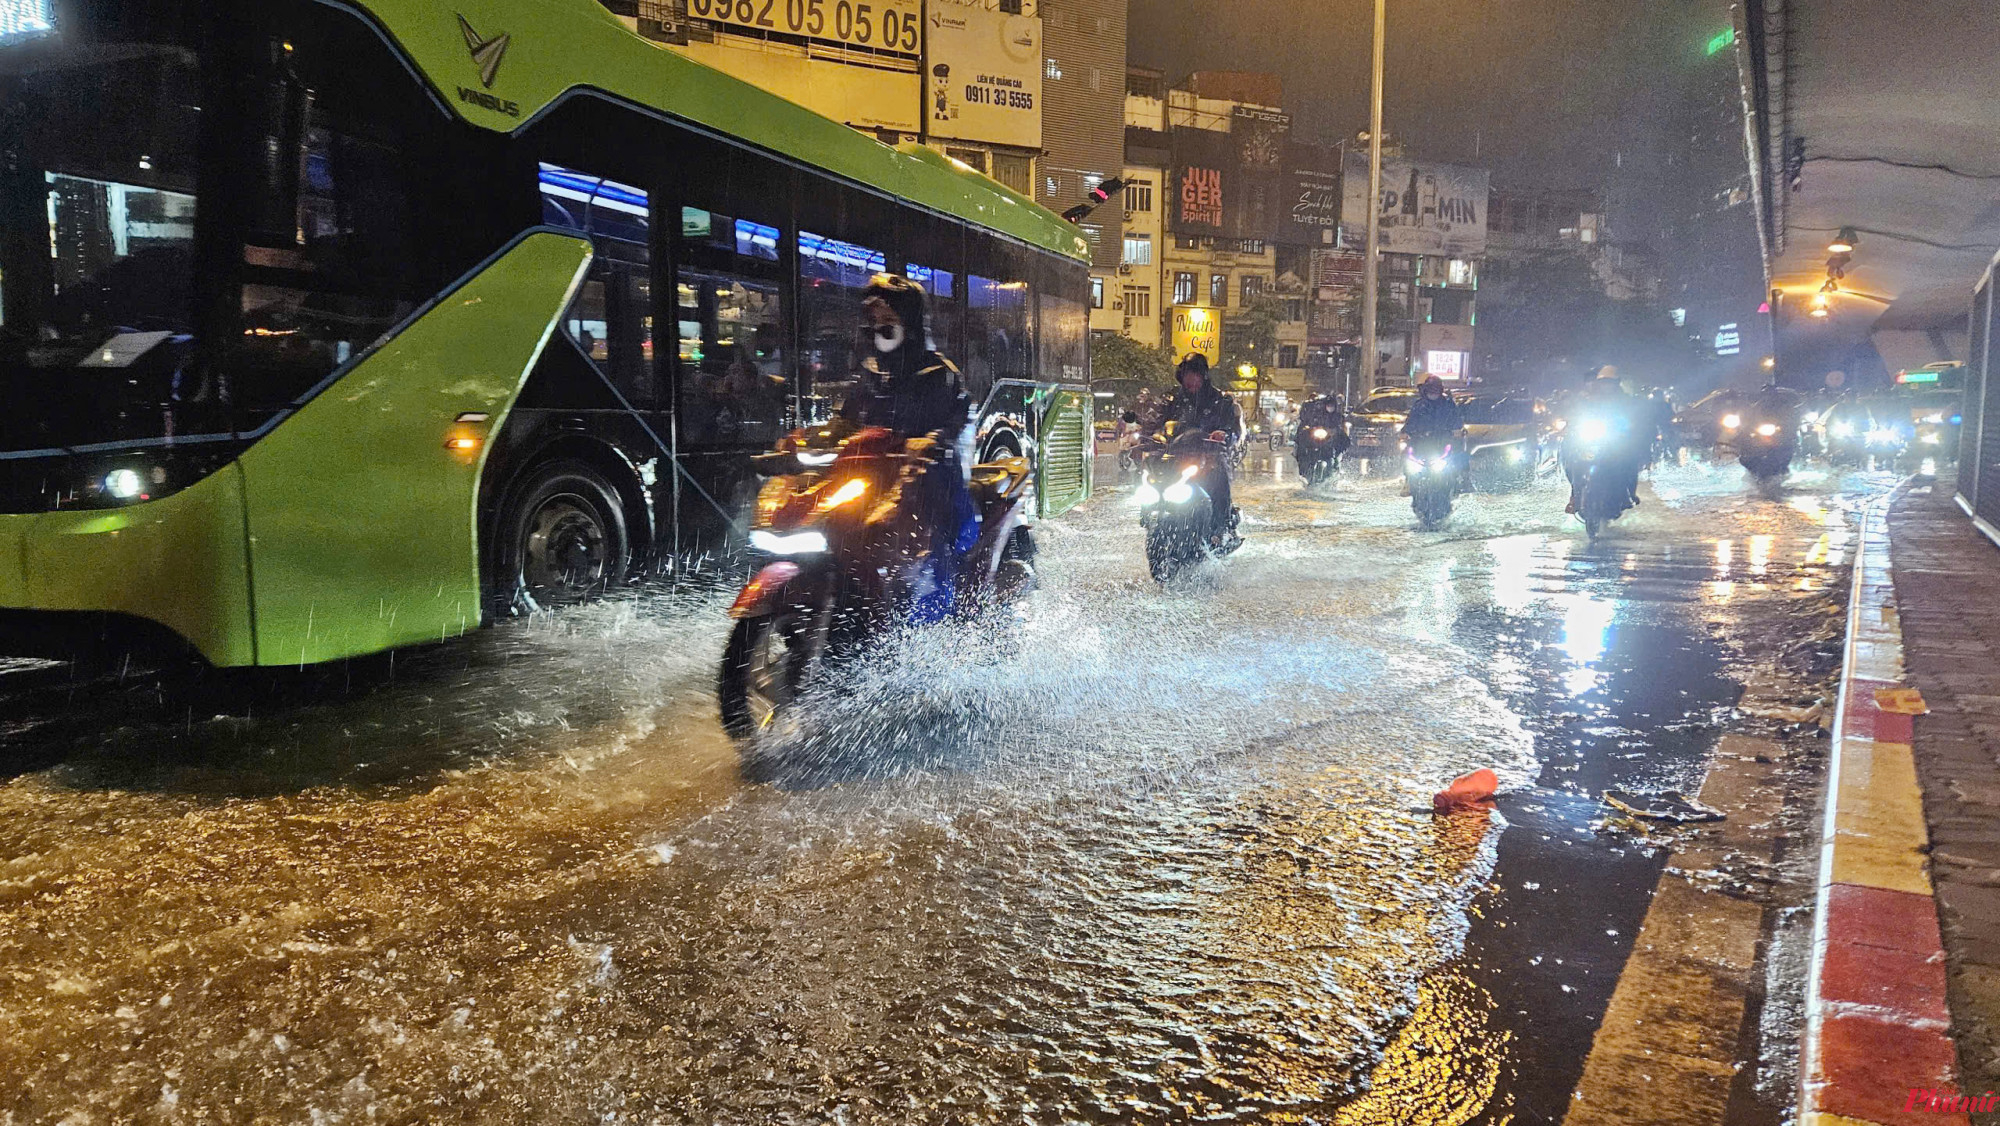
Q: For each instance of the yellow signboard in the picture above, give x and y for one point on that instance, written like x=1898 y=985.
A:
x=1198 y=328
x=885 y=25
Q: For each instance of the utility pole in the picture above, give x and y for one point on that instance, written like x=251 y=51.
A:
x=1370 y=279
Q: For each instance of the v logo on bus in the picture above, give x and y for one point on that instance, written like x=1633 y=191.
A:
x=486 y=53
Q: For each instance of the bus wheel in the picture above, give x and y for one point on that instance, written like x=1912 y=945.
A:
x=562 y=539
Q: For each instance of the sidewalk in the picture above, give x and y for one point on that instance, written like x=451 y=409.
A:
x=1947 y=589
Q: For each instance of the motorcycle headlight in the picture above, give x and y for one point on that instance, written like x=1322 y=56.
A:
x=1178 y=493
x=850 y=490
x=1766 y=429
x=1933 y=440
x=1146 y=494
x=1560 y=423
x=1439 y=465
x=1593 y=430
x=1515 y=453
x=1731 y=421
x=1881 y=436
x=816 y=458
x=1319 y=433
x=1934 y=419
x=788 y=543
x=1843 y=430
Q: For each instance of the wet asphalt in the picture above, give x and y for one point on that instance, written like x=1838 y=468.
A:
x=1142 y=854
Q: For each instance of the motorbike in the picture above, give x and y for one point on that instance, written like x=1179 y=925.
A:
x=1432 y=473
x=843 y=559
x=1317 y=449
x=1176 y=512
x=1765 y=448
x=1607 y=486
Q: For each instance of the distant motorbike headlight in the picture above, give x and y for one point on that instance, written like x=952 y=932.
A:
x=1439 y=465
x=1514 y=453
x=1932 y=440
x=1561 y=422
x=1180 y=492
x=816 y=458
x=1593 y=430
x=1146 y=494
x=1843 y=430
x=1766 y=429
x=1934 y=419
x=792 y=543
x=1881 y=436
x=1319 y=433
x=1731 y=421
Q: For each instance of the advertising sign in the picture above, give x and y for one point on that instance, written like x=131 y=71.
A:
x=1198 y=328
x=1203 y=175
x=1258 y=137
x=1425 y=208
x=1444 y=338
x=885 y=25
x=983 y=76
x=1445 y=365
x=1309 y=197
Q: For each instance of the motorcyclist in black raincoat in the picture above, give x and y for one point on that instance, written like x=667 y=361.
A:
x=1203 y=411
x=1628 y=439
x=906 y=386
x=1435 y=420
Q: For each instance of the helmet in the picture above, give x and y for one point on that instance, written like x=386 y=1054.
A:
x=1429 y=382
x=1194 y=362
x=906 y=298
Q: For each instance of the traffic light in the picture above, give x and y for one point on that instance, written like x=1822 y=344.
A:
x=1098 y=195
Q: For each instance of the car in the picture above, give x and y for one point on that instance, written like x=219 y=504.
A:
x=1712 y=419
x=1505 y=436
x=1376 y=427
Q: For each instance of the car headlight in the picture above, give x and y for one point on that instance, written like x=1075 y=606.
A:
x=124 y=484
x=1766 y=429
x=784 y=543
x=1319 y=433
x=1146 y=494
x=1178 y=493
x=1593 y=430
x=1843 y=430
x=1933 y=440
x=1731 y=421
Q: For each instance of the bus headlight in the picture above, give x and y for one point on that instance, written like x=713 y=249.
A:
x=124 y=484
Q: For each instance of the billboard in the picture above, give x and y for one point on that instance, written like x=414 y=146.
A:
x=884 y=25
x=983 y=76
x=1425 y=208
x=1309 y=198
x=1204 y=175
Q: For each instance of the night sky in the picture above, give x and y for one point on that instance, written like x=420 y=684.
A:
x=1548 y=93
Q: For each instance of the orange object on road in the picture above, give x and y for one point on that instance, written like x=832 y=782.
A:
x=1466 y=791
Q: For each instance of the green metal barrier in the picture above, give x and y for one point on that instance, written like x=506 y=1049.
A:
x=1068 y=454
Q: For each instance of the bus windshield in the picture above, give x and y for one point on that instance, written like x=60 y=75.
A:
x=96 y=269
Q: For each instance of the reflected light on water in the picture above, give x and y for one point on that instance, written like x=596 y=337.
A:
x=1585 y=627
x=1725 y=555
x=1760 y=554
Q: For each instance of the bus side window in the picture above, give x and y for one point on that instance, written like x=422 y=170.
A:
x=611 y=318
x=833 y=278
x=996 y=330
x=730 y=328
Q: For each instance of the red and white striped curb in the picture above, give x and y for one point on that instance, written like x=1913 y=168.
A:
x=1878 y=1045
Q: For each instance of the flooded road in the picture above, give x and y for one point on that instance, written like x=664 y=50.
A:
x=1147 y=856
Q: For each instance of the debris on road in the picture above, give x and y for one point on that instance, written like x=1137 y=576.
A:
x=1670 y=806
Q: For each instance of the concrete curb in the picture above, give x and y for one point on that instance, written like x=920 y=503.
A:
x=1877 y=1032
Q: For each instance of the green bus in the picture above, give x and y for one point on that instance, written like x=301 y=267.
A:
x=330 y=327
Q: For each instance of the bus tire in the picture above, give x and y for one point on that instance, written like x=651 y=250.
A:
x=562 y=539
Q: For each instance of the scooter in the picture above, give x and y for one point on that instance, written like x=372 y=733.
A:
x=1607 y=487
x=844 y=558
x=1176 y=512
x=1765 y=448
x=1432 y=473
x=1318 y=450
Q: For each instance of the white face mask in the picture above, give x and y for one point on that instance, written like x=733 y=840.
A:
x=888 y=338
